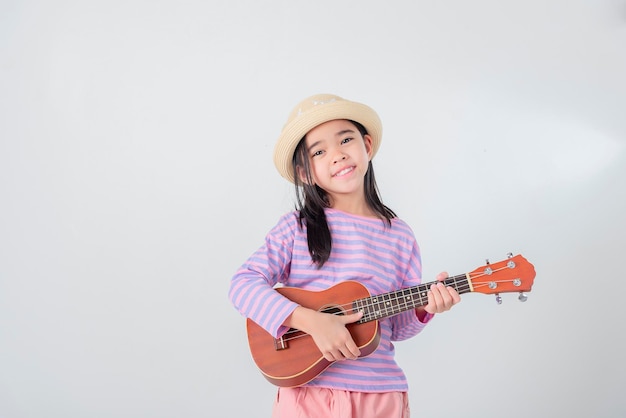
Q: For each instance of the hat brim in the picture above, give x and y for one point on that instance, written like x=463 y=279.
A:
x=296 y=129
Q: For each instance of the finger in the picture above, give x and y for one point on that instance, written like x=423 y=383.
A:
x=442 y=276
x=351 y=351
x=333 y=355
x=456 y=298
x=434 y=298
x=449 y=297
x=348 y=319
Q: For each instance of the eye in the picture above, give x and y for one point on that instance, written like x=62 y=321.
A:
x=316 y=153
x=346 y=140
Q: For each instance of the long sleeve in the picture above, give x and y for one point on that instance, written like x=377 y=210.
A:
x=252 y=287
x=383 y=258
x=407 y=325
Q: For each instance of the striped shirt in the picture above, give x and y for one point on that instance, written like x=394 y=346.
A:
x=382 y=258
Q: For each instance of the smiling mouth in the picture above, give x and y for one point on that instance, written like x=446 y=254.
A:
x=343 y=172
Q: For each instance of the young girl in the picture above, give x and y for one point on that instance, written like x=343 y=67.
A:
x=339 y=231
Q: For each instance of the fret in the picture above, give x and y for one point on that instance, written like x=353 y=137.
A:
x=407 y=299
x=460 y=283
x=377 y=307
x=396 y=300
x=393 y=303
x=388 y=308
x=357 y=306
x=422 y=295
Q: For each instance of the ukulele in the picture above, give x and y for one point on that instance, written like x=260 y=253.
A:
x=294 y=359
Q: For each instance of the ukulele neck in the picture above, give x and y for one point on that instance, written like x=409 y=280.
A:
x=396 y=302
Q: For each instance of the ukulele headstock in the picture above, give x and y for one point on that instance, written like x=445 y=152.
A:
x=514 y=274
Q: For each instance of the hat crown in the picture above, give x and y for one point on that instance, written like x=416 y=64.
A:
x=309 y=104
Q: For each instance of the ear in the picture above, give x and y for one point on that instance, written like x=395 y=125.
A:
x=367 y=140
x=302 y=174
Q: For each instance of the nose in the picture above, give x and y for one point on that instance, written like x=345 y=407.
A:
x=339 y=156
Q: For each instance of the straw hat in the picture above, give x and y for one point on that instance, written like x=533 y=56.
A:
x=314 y=111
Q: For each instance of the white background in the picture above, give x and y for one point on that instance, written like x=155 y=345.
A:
x=136 y=176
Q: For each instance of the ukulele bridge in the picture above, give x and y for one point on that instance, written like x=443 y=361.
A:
x=280 y=344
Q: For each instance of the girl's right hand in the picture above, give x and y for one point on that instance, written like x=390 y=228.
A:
x=328 y=331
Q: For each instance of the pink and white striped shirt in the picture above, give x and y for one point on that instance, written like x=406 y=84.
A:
x=382 y=258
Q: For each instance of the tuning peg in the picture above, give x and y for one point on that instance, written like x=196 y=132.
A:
x=498 y=298
x=522 y=297
x=509 y=255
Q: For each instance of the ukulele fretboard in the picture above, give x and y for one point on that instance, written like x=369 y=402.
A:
x=393 y=303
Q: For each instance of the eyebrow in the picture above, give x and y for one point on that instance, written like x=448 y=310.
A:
x=340 y=133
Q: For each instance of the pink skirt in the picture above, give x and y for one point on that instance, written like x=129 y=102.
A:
x=312 y=402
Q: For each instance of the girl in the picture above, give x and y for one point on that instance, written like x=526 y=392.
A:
x=339 y=231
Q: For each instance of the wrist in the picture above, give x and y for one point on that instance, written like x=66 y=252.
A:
x=299 y=318
x=422 y=315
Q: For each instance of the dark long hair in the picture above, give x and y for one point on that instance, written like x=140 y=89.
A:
x=311 y=200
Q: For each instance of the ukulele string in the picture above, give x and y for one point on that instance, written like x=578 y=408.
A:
x=485 y=274
x=369 y=314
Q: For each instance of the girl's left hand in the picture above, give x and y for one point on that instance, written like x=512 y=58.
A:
x=441 y=297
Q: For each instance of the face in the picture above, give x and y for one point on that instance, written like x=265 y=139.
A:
x=339 y=156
